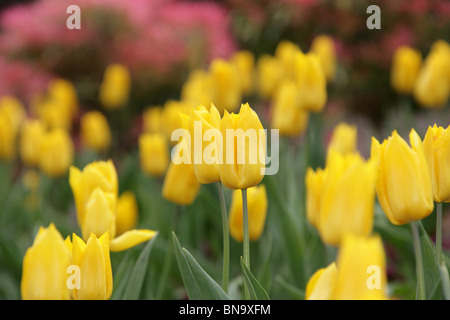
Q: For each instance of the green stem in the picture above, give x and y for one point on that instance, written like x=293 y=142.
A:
x=420 y=295
x=445 y=280
x=246 y=240
x=226 y=239
x=438 y=231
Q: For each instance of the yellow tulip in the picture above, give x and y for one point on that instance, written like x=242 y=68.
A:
x=361 y=265
x=99 y=174
x=197 y=89
x=31 y=134
x=244 y=62
x=127 y=212
x=323 y=46
x=322 y=284
x=285 y=53
x=44 y=269
x=226 y=91
x=180 y=183
x=95 y=131
x=64 y=93
x=347 y=199
x=257 y=211
x=171 y=118
x=270 y=73
x=205 y=158
x=115 y=87
x=56 y=152
x=404 y=187
x=13 y=108
x=311 y=82
x=7 y=138
x=287 y=117
x=243 y=152
x=99 y=214
x=152 y=120
x=432 y=87
x=405 y=68
x=54 y=115
x=442 y=47
x=93 y=259
x=153 y=153
x=437 y=153
x=314 y=184
x=344 y=138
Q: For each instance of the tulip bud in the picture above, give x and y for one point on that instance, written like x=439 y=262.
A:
x=257 y=211
x=344 y=138
x=322 y=284
x=101 y=174
x=99 y=214
x=127 y=212
x=437 y=153
x=93 y=259
x=180 y=183
x=323 y=46
x=56 y=152
x=95 y=131
x=405 y=68
x=244 y=149
x=154 y=153
x=31 y=135
x=311 y=82
x=347 y=198
x=115 y=87
x=403 y=186
x=361 y=267
x=287 y=117
x=44 y=269
x=226 y=91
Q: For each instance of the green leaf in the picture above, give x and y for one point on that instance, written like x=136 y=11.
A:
x=136 y=280
x=297 y=293
x=257 y=292
x=121 y=276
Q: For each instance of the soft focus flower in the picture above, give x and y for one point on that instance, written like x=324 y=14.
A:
x=13 y=108
x=180 y=183
x=243 y=152
x=314 y=185
x=56 y=152
x=64 y=93
x=347 y=197
x=127 y=212
x=152 y=119
x=225 y=89
x=95 y=131
x=343 y=138
x=44 y=269
x=197 y=88
x=244 y=62
x=270 y=73
x=323 y=46
x=436 y=146
x=153 y=153
x=405 y=68
x=287 y=117
x=7 y=138
x=93 y=259
x=31 y=134
x=404 y=187
x=171 y=117
x=285 y=53
x=205 y=158
x=115 y=87
x=311 y=82
x=322 y=284
x=361 y=267
x=257 y=211
x=53 y=114
x=99 y=214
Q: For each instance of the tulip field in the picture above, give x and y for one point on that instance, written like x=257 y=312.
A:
x=229 y=150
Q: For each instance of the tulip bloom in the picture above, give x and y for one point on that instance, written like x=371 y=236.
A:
x=404 y=187
x=243 y=159
x=64 y=93
x=171 y=116
x=153 y=153
x=115 y=87
x=270 y=73
x=180 y=183
x=285 y=53
x=93 y=259
x=197 y=88
x=361 y=265
x=347 y=198
x=99 y=214
x=344 y=138
x=323 y=46
x=127 y=212
x=44 y=269
x=287 y=117
x=31 y=134
x=405 y=68
x=95 y=131
x=152 y=120
x=56 y=152
x=257 y=211
x=322 y=284
x=7 y=138
x=437 y=153
x=314 y=184
x=244 y=62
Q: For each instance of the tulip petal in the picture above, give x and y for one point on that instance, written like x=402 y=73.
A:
x=130 y=239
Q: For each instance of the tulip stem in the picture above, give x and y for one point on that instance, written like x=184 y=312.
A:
x=226 y=239
x=246 y=240
x=420 y=294
x=439 y=231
